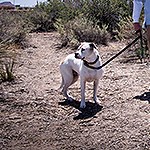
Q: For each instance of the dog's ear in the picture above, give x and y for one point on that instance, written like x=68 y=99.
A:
x=92 y=46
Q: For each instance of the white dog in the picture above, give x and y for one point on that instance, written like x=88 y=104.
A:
x=84 y=64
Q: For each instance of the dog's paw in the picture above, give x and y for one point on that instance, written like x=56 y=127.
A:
x=82 y=104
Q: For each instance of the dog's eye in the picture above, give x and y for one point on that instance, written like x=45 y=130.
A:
x=82 y=50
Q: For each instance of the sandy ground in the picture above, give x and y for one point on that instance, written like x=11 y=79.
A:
x=35 y=116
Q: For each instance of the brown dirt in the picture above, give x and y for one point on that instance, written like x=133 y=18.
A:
x=35 y=116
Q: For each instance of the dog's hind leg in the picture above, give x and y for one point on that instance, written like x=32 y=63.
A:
x=67 y=83
x=75 y=76
x=67 y=80
x=62 y=83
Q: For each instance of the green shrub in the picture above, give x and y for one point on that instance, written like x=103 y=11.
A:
x=44 y=15
x=7 y=57
x=13 y=28
x=40 y=20
x=102 y=13
x=81 y=29
x=84 y=30
x=106 y=12
x=6 y=71
x=126 y=29
x=100 y=17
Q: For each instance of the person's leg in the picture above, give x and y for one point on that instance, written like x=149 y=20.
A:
x=148 y=40
x=147 y=21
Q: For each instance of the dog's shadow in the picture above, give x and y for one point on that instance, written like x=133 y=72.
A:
x=144 y=97
x=90 y=111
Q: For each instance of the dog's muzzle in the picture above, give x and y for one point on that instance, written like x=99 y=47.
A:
x=78 y=56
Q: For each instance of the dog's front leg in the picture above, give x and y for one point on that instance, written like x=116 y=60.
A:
x=82 y=104
x=96 y=82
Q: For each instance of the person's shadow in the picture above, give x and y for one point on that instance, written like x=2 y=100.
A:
x=144 y=97
x=90 y=111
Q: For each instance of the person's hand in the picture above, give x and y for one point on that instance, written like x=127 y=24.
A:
x=137 y=27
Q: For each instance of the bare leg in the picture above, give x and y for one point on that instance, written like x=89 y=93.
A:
x=148 y=40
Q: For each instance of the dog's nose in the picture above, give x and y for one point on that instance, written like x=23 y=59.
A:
x=76 y=55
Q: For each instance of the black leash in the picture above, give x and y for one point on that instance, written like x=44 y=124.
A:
x=108 y=61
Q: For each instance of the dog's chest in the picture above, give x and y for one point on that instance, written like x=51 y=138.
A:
x=89 y=75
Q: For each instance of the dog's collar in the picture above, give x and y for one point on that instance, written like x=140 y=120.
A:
x=91 y=63
x=87 y=64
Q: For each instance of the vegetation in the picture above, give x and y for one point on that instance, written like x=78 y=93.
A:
x=76 y=21
x=13 y=30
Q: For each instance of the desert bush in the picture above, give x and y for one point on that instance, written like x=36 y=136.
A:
x=7 y=59
x=126 y=30
x=106 y=12
x=84 y=30
x=100 y=18
x=44 y=15
x=12 y=28
x=6 y=70
x=81 y=29
x=40 y=20
x=102 y=13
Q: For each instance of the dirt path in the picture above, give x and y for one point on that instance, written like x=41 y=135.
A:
x=35 y=116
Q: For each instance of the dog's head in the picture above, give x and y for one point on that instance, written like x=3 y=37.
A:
x=85 y=50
